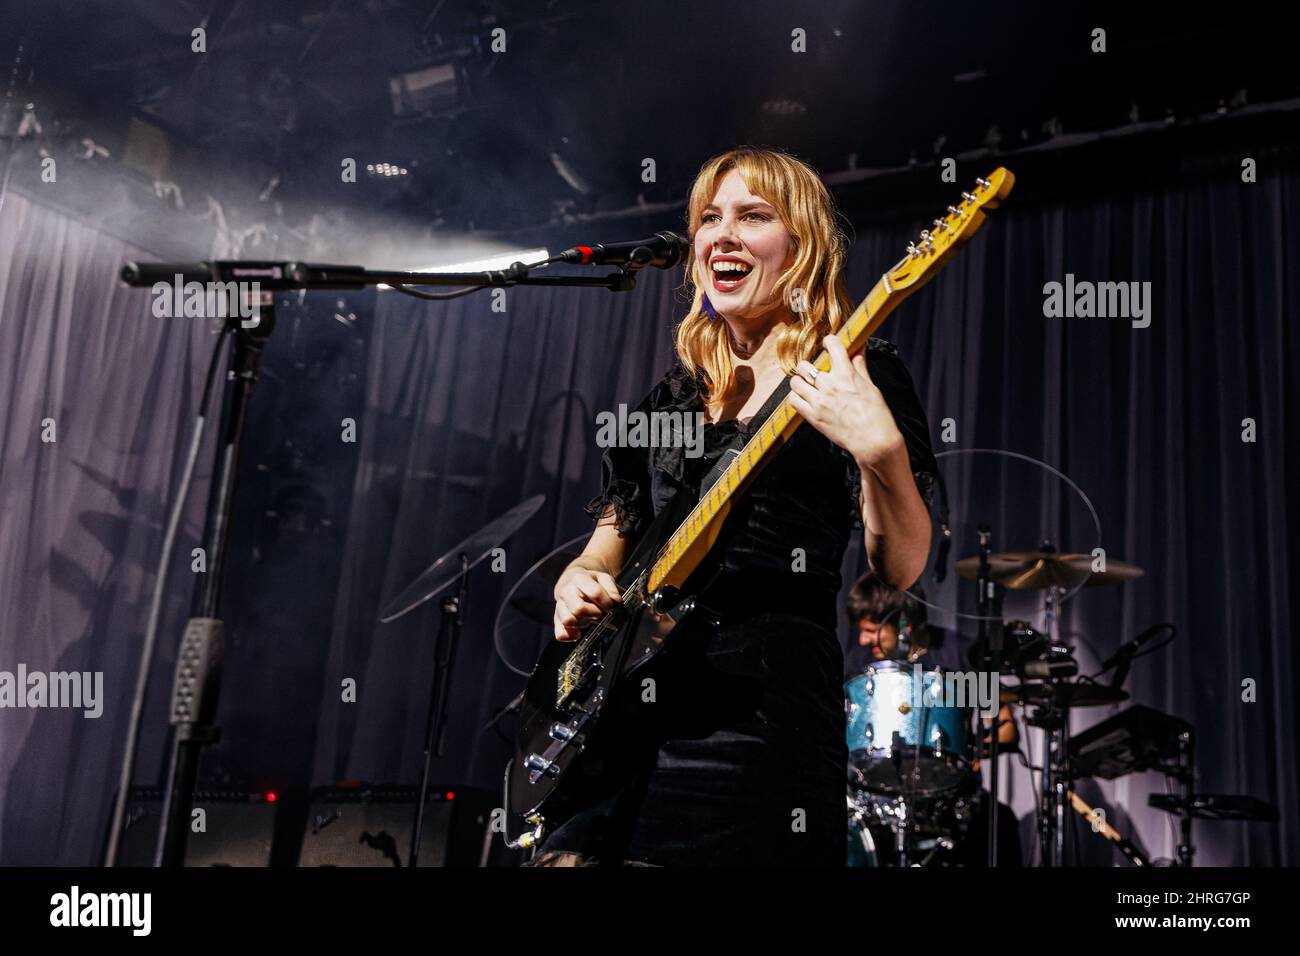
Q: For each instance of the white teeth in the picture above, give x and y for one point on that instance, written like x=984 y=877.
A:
x=729 y=266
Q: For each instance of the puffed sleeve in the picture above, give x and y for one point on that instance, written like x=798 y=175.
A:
x=625 y=475
x=891 y=376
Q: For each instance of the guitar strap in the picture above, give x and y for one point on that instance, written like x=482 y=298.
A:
x=737 y=443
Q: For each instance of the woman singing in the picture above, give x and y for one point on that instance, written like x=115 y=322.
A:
x=744 y=758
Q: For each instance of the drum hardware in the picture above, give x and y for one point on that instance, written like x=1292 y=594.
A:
x=1046 y=666
x=922 y=831
x=1138 y=739
x=451 y=568
x=990 y=651
x=1064 y=693
x=1217 y=806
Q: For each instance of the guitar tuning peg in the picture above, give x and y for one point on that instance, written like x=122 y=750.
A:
x=984 y=183
x=954 y=211
x=912 y=250
x=967 y=197
x=925 y=236
x=940 y=225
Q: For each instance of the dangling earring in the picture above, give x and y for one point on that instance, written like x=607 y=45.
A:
x=709 y=310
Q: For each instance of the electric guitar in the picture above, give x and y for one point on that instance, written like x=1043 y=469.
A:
x=573 y=714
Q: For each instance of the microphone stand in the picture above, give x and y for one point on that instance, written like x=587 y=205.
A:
x=989 y=604
x=197 y=680
x=435 y=724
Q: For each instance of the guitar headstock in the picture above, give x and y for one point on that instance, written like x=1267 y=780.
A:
x=928 y=253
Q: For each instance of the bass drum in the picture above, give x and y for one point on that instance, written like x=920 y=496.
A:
x=935 y=831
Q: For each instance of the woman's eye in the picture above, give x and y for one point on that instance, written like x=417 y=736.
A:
x=760 y=217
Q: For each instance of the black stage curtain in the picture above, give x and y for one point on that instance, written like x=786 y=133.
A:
x=467 y=411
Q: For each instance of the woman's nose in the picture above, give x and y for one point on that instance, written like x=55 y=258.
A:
x=726 y=234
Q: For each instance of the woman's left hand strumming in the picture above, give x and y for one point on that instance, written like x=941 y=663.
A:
x=845 y=406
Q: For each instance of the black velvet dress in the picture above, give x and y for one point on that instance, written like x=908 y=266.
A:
x=746 y=764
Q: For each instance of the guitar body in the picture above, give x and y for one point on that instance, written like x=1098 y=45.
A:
x=579 y=733
x=577 y=722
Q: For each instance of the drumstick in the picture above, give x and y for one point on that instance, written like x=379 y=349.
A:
x=1099 y=825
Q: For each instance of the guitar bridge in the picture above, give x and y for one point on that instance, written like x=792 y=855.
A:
x=572 y=676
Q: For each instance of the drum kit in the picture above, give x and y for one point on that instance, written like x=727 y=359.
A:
x=914 y=783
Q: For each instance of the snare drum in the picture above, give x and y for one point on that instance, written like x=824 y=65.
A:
x=902 y=739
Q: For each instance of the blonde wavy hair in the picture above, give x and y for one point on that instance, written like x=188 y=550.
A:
x=808 y=212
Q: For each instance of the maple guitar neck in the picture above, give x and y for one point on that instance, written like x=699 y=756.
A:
x=696 y=535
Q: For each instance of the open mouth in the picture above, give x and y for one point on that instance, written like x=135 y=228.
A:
x=729 y=274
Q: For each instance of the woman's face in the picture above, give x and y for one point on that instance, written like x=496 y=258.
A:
x=742 y=248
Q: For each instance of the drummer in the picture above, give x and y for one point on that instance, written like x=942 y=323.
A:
x=891 y=625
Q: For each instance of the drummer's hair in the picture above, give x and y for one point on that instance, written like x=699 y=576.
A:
x=873 y=598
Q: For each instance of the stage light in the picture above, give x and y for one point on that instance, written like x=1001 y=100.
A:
x=436 y=90
x=385 y=170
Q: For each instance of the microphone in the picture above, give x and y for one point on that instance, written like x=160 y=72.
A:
x=663 y=250
x=1122 y=659
x=1127 y=651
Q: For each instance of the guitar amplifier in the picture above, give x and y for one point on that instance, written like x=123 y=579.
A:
x=238 y=827
x=371 y=825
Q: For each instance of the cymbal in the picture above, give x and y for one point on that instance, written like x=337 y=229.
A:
x=1080 y=694
x=438 y=576
x=1026 y=570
